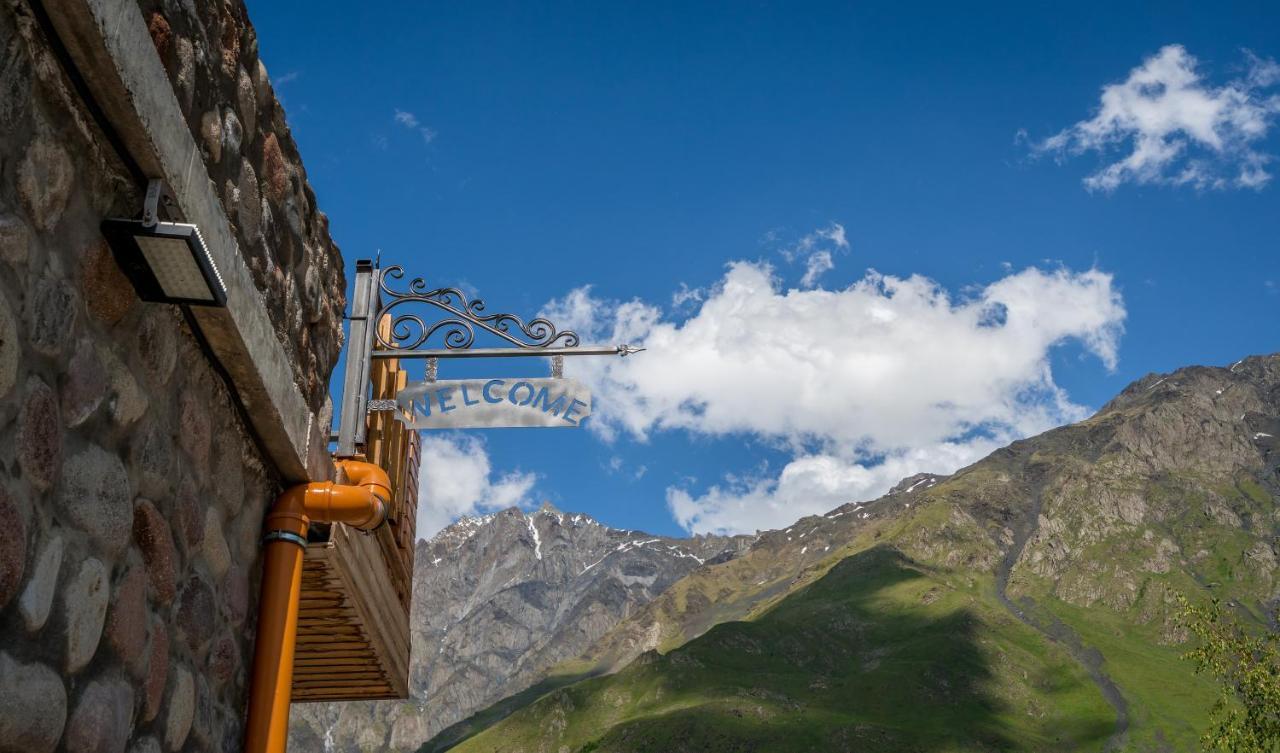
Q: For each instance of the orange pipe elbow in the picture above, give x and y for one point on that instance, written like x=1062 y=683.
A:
x=361 y=503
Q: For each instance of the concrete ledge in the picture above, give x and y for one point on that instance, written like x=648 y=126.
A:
x=109 y=42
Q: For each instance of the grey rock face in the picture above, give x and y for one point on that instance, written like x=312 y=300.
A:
x=497 y=601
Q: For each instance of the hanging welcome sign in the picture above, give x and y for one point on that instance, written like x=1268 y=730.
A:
x=418 y=322
x=493 y=403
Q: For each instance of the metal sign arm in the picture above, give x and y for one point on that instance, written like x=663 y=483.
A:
x=586 y=350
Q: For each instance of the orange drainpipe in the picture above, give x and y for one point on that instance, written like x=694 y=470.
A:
x=362 y=503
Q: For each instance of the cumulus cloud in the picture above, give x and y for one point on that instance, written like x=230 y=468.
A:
x=1169 y=127
x=457 y=479
x=813 y=484
x=865 y=384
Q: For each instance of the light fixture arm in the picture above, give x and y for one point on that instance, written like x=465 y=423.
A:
x=158 y=194
x=151 y=203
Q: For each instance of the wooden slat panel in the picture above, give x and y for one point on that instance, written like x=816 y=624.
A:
x=336 y=658
x=383 y=616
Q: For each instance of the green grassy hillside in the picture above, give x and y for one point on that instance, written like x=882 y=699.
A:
x=1027 y=602
x=878 y=654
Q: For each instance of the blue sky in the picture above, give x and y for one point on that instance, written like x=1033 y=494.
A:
x=970 y=158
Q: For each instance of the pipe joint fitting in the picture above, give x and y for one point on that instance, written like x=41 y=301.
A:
x=289 y=536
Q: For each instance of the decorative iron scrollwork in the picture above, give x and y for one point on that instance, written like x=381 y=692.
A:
x=410 y=331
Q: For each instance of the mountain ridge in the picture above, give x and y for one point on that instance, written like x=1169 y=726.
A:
x=1065 y=550
x=498 y=598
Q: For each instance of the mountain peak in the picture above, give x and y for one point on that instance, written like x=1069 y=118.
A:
x=916 y=482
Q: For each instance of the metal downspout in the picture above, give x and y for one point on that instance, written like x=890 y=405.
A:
x=362 y=503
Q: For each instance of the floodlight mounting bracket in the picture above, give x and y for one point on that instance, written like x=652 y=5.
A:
x=157 y=195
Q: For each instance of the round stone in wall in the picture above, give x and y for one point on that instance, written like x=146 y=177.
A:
x=84 y=604
x=94 y=495
x=10 y=348
x=128 y=401
x=197 y=614
x=154 y=538
x=102 y=716
x=232 y=135
x=275 y=171
x=157 y=670
x=214 y=547
x=248 y=206
x=84 y=386
x=51 y=316
x=33 y=707
x=152 y=453
x=126 y=629
x=108 y=294
x=45 y=176
x=211 y=135
x=15 y=240
x=39 y=435
x=37 y=599
x=145 y=745
x=264 y=91
x=247 y=103
x=193 y=434
x=184 y=83
x=182 y=706
x=13 y=548
x=157 y=344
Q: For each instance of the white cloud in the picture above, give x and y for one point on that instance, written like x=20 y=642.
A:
x=410 y=121
x=1177 y=129
x=888 y=360
x=818 y=264
x=888 y=367
x=285 y=79
x=817 y=249
x=835 y=234
x=457 y=479
x=406 y=119
x=686 y=295
x=811 y=485
x=618 y=466
x=832 y=235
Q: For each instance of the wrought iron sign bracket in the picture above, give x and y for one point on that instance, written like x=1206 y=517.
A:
x=453 y=328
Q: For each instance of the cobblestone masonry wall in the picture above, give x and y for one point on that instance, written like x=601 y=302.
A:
x=210 y=51
x=131 y=498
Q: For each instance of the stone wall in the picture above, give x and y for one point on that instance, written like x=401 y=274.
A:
x=210 y=51
x=131 y=493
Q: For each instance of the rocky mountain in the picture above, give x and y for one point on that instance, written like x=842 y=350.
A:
x=497 y=601
x=1025 y=602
